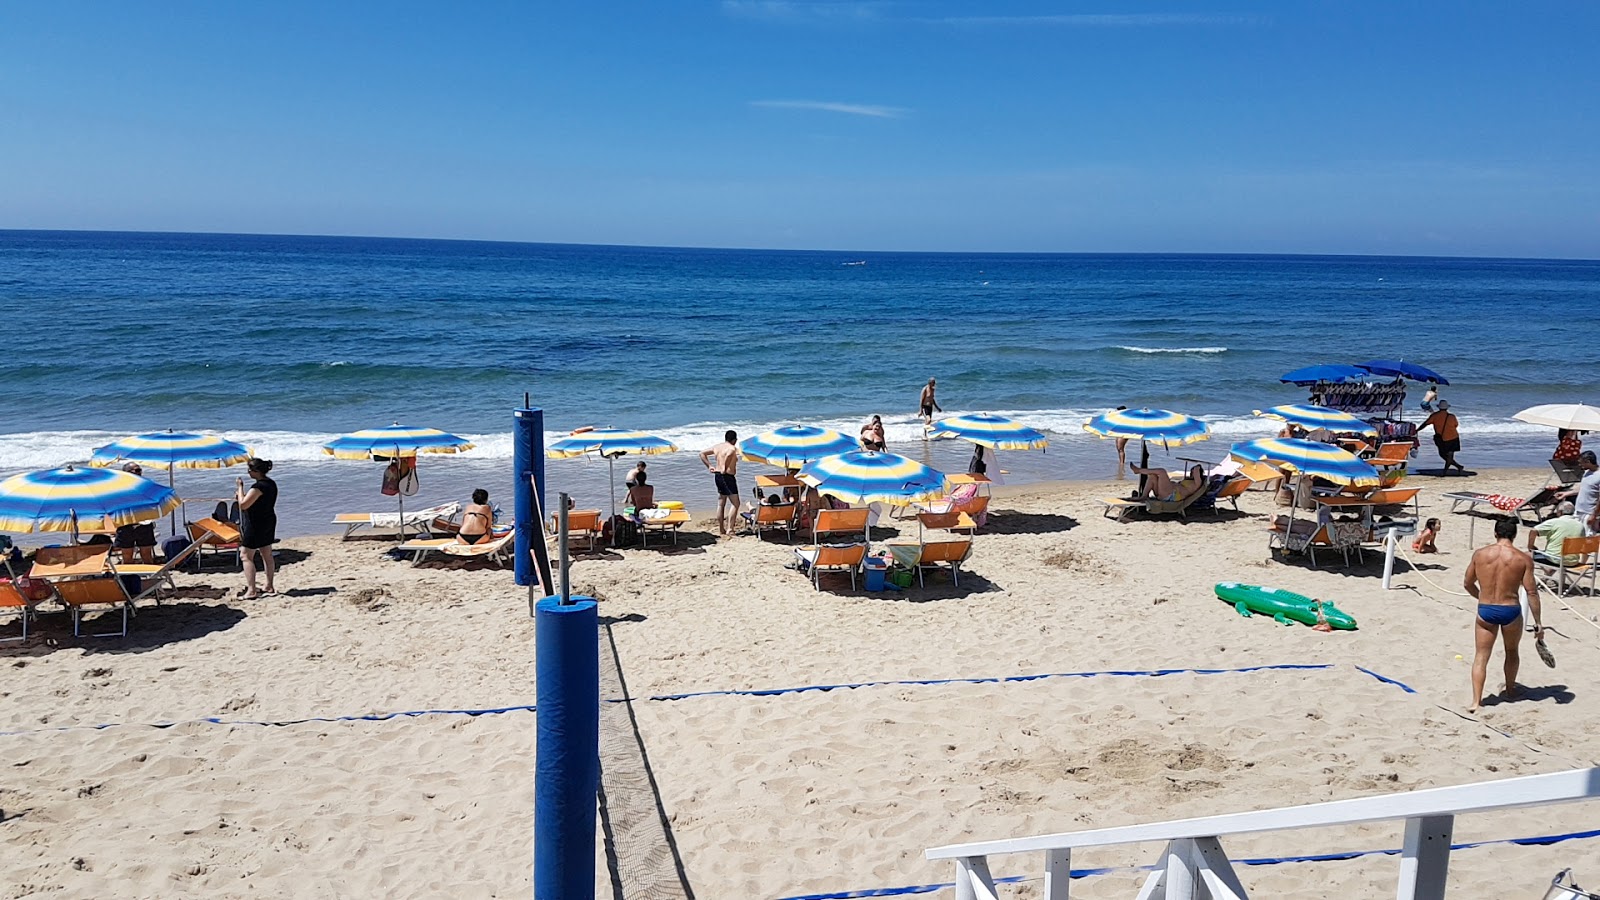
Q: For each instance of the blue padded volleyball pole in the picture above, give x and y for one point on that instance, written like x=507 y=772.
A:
x=566 y=779
x=527 y=454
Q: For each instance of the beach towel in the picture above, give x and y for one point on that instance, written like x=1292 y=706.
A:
x=414 y=516
x=1502 y=502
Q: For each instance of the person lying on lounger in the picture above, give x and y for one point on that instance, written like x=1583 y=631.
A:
x=1158 y=484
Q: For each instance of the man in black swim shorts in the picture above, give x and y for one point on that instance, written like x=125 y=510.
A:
x=723 y=462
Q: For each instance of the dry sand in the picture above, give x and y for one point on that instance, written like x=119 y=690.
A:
x=795 y=793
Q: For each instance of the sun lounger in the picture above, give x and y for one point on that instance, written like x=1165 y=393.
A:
x=582 y=524
x=105 y=590
x=221 y=538
x=11 y=598
x=661 y=521
x=937 y=554
x=1391 y=454
x=80 y=561
x=153 y=576
x=1529 y=509
x=1558 y=576
x=840 y=521
x=1305 y=536
x=422 y=519
x=496 y=549
x=1230 y=491
x=820 y=558
x=1119 y=508
x=1397 y=497
x=773 y=517
x=1566 y=472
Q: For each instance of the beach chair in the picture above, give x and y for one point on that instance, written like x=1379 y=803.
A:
x=104 y=590
x=1566 y=472
x=422 y=519
x=774 y=517
x=1392 y=454
x=1555 y=576
x=11 y=598
x=1179 y=507
x=661 y=521
x=496 y=549
x=946 y=521
x=1338 y=536
x=1117 y=509
x=582 y=524
x=1530 y=509
x=1397 y=497
x=212 y=534
x=1230 y=491
x=79 y=561
x=936 y=554
x=819 y=558
x=840 y=521
x=153 y=576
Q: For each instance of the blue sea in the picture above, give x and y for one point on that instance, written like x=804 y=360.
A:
x=285 y=342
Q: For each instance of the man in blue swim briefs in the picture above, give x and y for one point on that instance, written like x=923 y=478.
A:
x=1493 y=577
x=723 y=461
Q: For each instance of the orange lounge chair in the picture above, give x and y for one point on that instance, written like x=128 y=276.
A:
x=1393 y=453
x=581 y=523
x=80 y=561
x=663 y=521
x=944 y=553
x=832 y=558
x=153 y=576
x=774 y=517
x=496 y=549
x=107 y=590
x=840 y=521
x=1555 y=575
x=215 y=535
x=1231 y=491
x=11 y=598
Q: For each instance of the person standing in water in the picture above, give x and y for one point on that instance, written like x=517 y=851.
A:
x=258 y=524
x=1493 y=577
x=723 y=463
x=927 y=404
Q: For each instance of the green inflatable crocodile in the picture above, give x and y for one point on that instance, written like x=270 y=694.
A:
x=1283 y=606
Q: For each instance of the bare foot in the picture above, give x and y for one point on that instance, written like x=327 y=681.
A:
x=1472 y=709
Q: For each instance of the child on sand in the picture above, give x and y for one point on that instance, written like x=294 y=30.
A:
x=1424 y=541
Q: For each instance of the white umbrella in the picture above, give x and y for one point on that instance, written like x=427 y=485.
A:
x=1572 y=416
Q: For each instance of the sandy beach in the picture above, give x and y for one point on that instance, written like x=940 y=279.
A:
x=796 y=793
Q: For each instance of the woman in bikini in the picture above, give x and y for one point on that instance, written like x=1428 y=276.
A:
x=477 y=522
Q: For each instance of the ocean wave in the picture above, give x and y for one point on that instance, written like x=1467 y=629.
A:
x=44 y=449
x=1195 y=350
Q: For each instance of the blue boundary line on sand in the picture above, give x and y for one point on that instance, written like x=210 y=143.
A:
x=1536 y=841
x=756 y=692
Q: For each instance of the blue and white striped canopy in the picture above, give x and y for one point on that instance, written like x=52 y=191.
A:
x=609 y=442
x=1160 y=425
x=395 y=440
x=1308 y=416
x=994 y=432
x=864 y=476
x=793 y=446
x=52 y=499
x=1312 y=458
x=168 y=449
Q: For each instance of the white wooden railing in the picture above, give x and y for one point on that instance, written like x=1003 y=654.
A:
x=1193 y=865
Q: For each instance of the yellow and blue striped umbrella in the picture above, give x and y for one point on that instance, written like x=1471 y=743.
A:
x=1313 y=417
x=994 y=432
x=865 y=476
x=57 y=499
x=395 y=440
x=793 y=446
x=1161 y=425
x=1312 y=458
x=172 y=449
x=608 y=442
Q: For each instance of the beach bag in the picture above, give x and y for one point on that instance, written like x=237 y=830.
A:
x=621 y=531
x=34 y=589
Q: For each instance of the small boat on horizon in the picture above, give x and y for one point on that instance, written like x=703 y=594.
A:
x=859 y=262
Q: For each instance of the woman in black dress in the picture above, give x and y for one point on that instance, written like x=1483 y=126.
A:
x=258 y=524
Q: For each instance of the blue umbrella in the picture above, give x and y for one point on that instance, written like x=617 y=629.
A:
x=1313 y=374
x=58 y=499
x=1399 y=368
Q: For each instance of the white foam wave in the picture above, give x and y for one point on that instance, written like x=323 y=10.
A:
x=44 y=449
x=1173 y=349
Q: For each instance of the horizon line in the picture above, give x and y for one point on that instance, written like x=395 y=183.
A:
x=841 y=250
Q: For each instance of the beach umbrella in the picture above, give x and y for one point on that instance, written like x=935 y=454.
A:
x=792 y=446
x=1571 y=416
x=395 y=442
x=57 y=499
x=994 y=432
x=1312 y=374
x=1308 y=416
x=172 y=450
x=1161 y=425
x=609 y=443
x=1399 y=368
x=1308 y=458
x=868 y=476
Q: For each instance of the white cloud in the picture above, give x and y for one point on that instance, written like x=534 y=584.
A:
x=854 y=109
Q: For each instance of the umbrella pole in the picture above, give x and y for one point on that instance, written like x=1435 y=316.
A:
x=172 y=517
x=611 y=464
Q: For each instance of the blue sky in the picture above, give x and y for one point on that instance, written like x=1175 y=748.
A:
x=1359 y=127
